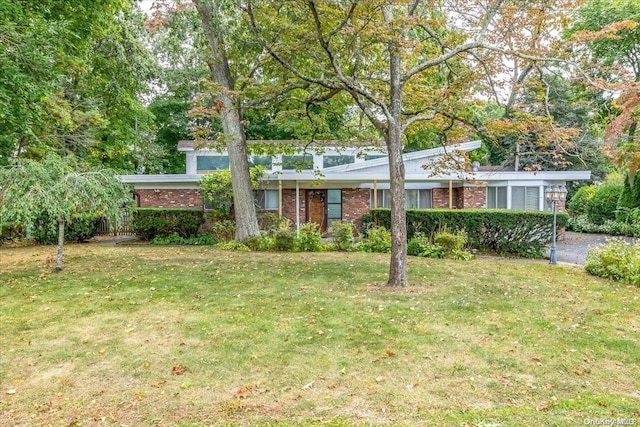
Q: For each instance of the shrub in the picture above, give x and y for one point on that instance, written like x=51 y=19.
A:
x=632 y=228
x=417 y=245
x=602 y=206
x=10 y=231
x=232 y=245
x=523 y=233
x=450 y=241
x=432 y=251
x=378 y=240
x=260 y=243
x=342 y=234
x=222 y=231
x=579 y=202
x=81 y=228
x=148 y=223
x=284 y=239
x=617 y=260
x=175 y=239
x=626 y=202
x=309 y=238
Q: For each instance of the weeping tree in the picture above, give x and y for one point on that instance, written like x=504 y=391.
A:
x=58 y=188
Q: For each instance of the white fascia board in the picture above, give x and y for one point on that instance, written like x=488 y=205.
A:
x=423 y=154
x=143 y=182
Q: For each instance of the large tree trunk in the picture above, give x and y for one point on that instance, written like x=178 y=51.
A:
x=235 y=139
x=60 y=244
x=393 y=139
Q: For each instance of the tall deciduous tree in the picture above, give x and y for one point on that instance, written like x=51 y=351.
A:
x=59 y=188
x=403 y=63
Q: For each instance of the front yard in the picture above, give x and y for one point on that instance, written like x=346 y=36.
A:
x=191 y=336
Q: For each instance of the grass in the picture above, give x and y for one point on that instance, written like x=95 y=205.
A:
x=191 y=336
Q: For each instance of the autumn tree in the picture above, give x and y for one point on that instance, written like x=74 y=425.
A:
x=403 y=64
x=606 y=39
x=59 y=188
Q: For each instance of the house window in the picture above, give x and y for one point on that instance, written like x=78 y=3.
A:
x=525 y=198
x=334 y=206
x=330 y=161
x=297 y=162
x=414 y=199
x=497 y=197
x=212 y=163
x=267 y=200
x=266 y=161
x=374 y=156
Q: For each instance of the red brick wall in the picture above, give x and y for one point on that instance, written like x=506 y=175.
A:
x=170 y=198
x=355 y=203
x=289 y=205
x=474 y=197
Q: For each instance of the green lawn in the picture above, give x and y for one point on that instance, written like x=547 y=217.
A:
x=190 y=336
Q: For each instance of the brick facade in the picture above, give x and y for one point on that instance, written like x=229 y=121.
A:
x=474 y=197
x=463 y=197
x=355 y=203
x=289 y=205
x=169 y=198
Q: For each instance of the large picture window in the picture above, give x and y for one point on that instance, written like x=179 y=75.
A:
x=297 y=162
x=335 y=160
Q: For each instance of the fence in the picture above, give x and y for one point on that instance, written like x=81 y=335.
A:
x=108 y=228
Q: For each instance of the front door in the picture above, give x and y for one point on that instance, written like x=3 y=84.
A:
x=317 y=208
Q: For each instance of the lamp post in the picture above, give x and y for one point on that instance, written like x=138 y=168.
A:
x=554 y=193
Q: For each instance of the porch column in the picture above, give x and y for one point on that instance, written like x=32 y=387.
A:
x=297 y=206
x=279 y=198
x=541 y=198
x=375 y=194
x=508 y=196
x=450 y=194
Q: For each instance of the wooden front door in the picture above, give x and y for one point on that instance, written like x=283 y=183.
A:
x=317 y=208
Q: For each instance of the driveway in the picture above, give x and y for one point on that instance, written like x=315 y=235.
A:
x=574 y=247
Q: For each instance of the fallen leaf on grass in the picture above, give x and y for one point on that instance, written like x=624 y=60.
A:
x=243 y=392
x=178 y=370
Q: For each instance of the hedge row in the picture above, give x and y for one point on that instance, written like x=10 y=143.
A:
x=523 y=233
x=149 y=223
x=81 y=228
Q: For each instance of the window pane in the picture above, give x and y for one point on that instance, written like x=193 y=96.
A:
x=329 y=161
x=374 y=156
x=411 y=199
x=425 y=199
x=334 y=196
x=212 y=163
x=297 y=162
x=265 y=161
x=272 y=200
x=386 y=199
x=531 y=202
x=491 y=197
x=518 y=198
x=501 y=197
x=334 y=211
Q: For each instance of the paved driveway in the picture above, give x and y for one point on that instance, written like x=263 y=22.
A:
x=574 y=247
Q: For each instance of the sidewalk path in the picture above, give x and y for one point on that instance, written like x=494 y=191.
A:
x=574 y=247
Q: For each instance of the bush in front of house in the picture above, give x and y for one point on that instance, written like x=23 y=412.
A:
x=602 y=207
x=309 y=238
x=81 y=228
x=617 y=260
x=508 y=232
x=343 y=235
x=579 y=202
x=377 y=239
x=149 y=223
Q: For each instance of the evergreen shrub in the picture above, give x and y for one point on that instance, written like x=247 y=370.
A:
x=602 y=207
x=149 y=223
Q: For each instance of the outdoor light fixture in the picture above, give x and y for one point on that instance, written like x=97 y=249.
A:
x=554 y=193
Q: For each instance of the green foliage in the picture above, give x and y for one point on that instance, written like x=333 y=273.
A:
x=176 y=239
x=450 y=242
x=231 y=245
x=309 y=238
x=579 y=202
x=150 y=223
x=343 y=235
x=626 y=201
x=617 y=260
x=218 y=191
x=10 y=231
x=222 y=231
x=284 y=239
x=420 y=245
x=523 y=233
x=261 y=242
x=614 y=228
x=602 y=207
x=377 y=239
x=80 y=228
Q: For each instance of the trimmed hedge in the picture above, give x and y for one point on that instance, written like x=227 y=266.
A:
x=523 y=233
x=149 y=223
x=81 y=228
